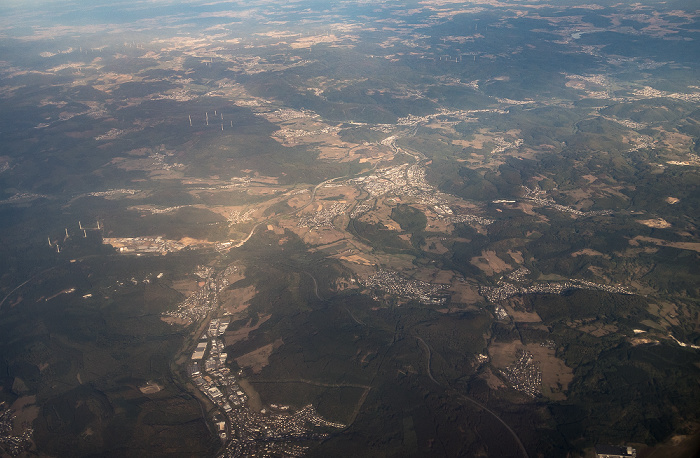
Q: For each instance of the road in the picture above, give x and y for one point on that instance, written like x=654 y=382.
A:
x=315 y=285
x=423 y=343
x=353 y=317
x=24 y=283
x=292 y=212
x=473 y=401
x=252 y=231
x=430 y=354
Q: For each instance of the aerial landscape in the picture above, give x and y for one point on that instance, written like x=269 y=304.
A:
x=396 y=228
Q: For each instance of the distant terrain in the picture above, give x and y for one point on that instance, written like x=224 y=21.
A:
x=393 y=228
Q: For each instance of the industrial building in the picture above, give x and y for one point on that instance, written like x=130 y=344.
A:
x=615 y=451
x=199 y=351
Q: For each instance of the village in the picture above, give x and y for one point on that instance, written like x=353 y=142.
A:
x=507 y=290
x=540 y=197
x=199 y=304
x=393 y=283
x=524 y=374
x=12 y=443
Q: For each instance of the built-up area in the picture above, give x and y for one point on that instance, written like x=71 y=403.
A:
x=409 y=180
x=524 y=374
x=391 y=282
x=12 y=443
x=272 y=431
x=506 y=290
x=199 y=304
x=539 y=197
x=276 y=430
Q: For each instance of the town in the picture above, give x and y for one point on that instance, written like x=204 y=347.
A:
x=246 y=432
x=540 y=197
x=507 y=290
x=12 y=443
x=524 y=374
x=393 y=283
x=275 y=430
x=199 y=304
x=324 y=217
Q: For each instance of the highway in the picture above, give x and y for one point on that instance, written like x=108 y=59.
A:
x=459 y=395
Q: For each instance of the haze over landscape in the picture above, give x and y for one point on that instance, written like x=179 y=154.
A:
x=349 y=228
